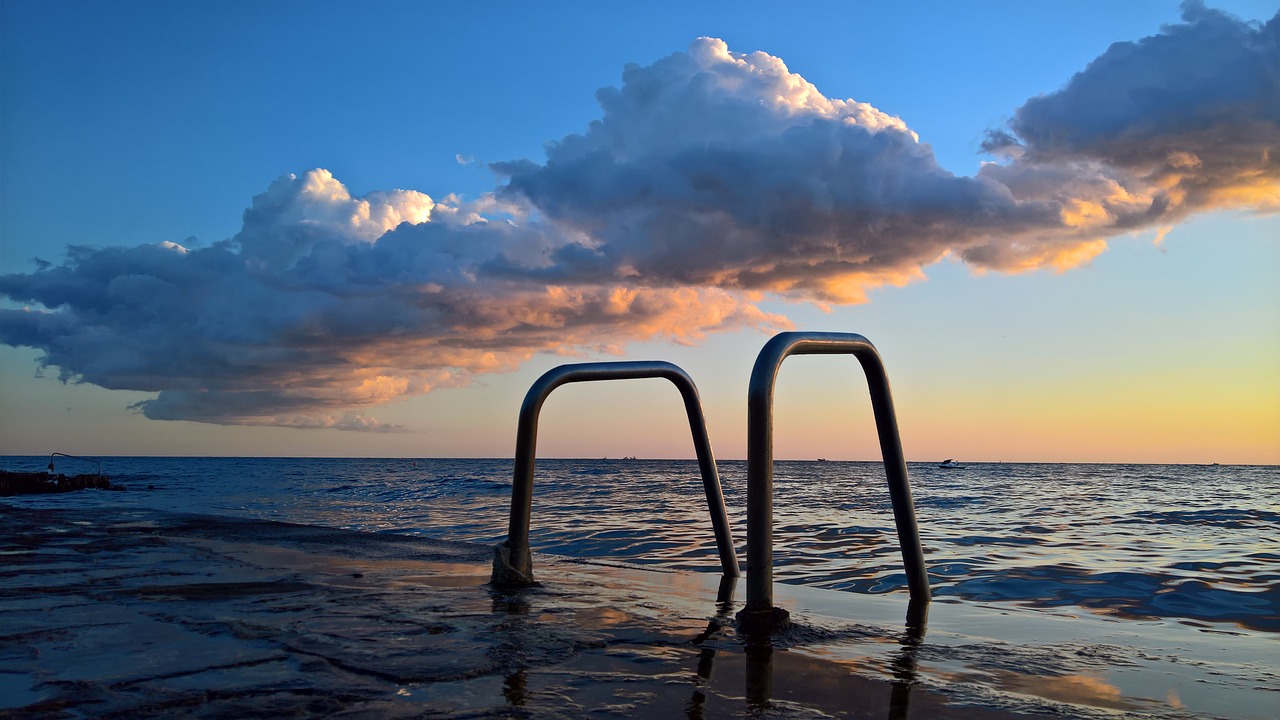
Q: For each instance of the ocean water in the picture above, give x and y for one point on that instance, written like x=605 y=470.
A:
x=1194 y=545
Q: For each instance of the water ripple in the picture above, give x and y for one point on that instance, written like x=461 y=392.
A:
x=1193 y=543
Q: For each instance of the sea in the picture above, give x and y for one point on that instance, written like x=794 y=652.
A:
x=1195 y=544
x=1112 y=591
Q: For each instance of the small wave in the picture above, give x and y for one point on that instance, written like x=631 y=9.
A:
x=1131 y=594
x=1184 y=542
x=1226 y=518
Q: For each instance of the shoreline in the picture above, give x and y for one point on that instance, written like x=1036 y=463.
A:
x=144 y=613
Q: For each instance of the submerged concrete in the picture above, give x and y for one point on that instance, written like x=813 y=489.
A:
x=138 y=613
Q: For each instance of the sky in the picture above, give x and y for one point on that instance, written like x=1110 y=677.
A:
x=317 y=229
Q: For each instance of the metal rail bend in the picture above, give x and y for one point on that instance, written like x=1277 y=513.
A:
x=513 y=564
x=75 y=457
x=759 y=610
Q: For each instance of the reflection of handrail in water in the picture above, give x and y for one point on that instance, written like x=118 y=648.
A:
x=513 y=564
x=707 y=656
x=75 y=457
x=759 y=612
x=905 y=664
x=758 y=656
x=759 y=666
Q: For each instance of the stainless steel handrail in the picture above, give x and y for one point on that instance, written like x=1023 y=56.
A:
x=759 y=611
x=513 y=564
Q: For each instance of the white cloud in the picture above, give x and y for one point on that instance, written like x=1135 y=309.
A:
x=238 y=335
x=710 y=177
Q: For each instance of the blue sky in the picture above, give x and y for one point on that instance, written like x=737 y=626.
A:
x=131 y=124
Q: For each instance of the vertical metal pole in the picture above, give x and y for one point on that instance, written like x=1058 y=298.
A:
x=760 y=479
x=519 y=557
x=759 y=611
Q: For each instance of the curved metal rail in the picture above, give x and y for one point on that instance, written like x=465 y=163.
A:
x=513 y=564
x=75 y=457
x=759 y=610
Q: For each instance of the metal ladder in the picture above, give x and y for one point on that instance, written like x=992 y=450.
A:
x=759 y=613
x=513 y=566
x=512 y=562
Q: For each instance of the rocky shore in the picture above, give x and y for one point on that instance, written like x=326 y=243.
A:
x=36 y=483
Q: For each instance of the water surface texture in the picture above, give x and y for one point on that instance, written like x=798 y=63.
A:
x=1190 y=544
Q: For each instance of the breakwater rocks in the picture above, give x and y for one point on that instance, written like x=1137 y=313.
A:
x=36 y=483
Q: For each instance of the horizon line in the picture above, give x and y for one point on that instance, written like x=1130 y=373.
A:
x=649 y=459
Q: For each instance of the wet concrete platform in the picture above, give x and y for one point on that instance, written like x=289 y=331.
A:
x=139 y=613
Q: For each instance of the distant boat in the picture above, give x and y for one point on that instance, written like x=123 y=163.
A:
x=822 y=459
x=950 y=464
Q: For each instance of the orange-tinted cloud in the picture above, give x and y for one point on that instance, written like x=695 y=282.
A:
x=711 y=180
x=1188 y=119
x=308 y=316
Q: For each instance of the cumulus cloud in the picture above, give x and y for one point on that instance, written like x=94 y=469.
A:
x=716 y=168
x=325 y=304
x=724 y=169
x=711 y=180
x=1180 y=122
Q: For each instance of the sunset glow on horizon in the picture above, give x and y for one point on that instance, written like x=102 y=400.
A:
x=1077 y=260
